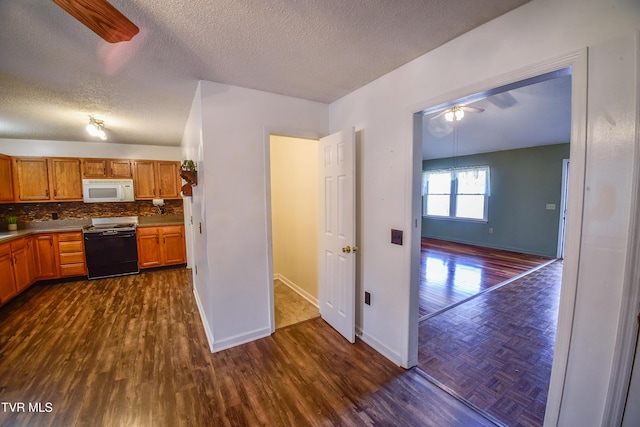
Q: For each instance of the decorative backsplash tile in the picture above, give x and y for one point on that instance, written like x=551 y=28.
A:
x=36 y=212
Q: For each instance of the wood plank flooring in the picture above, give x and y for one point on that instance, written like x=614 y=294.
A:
x=496 y=350
x=291 y=307
x=451 y=272
x=132 y=351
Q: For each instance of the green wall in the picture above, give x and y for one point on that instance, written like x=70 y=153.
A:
x=523 y=182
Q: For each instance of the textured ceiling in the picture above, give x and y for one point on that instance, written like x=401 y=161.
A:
x=529 y=115
x=54 y=72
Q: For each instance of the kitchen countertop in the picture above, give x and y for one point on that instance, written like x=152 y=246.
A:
x=61 y=226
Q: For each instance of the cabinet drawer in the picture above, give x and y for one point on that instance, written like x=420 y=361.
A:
x=71 y=246
x=147 y=231
x=71 y=258
x=73 y=270
x=65 y=237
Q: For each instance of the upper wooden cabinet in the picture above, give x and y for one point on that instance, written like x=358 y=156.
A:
x=156 y=179
x=66 y=179
x=32 y=179
x=41 y=179
x=6 y=180
x=107 y=168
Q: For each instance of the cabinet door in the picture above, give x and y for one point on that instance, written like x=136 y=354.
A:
x=31 y=260
x=6 y=180
x=149 y=254
x=32 y=178
x=174 y=251
x=46 y=256
x=144 y=181
x=168 y=180
x=66 y=179
x=20 y=264
x=7 y=284
x=94 y=168
x=120 y=169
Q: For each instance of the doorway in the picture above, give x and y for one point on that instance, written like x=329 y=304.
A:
x=473 y=211
x=293 y=168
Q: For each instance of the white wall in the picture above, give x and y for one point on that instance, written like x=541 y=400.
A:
x=234 y=289
x=31 y=147
x=537 y=32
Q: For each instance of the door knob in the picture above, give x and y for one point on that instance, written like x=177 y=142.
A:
x=346 y=249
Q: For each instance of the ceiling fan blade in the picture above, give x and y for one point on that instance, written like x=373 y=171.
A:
x=472 y=109
x=102 y=18
x=440 y=114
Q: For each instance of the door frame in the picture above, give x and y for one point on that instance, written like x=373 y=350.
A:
x=627 y=333
x=268 y=132
x=577 y=61
x=562 y=228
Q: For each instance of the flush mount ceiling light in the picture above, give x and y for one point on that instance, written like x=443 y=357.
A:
x=95 y=128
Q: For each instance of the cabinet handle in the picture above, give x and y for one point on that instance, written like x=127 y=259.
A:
x=161 y=191
x=15 y=259
x=46 y=192
x=55 y=192
x=157 y=240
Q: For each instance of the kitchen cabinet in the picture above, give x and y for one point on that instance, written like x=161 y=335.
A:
x=6 y=179
x=21 y=265
x=46 y=256
x=7 y=285
x=32 y=179
x=31 y=259
x=71 y=254
x=66 y=180
x=16 y=268
x=39 y=179
x=160 y=246
x=107 y=168
x=156 y=179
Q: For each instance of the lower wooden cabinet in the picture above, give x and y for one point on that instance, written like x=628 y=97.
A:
x=16 y=267
x=8 y=284
x=71 y=253
x=160 y=246
x=21 y=264
x=47 y=263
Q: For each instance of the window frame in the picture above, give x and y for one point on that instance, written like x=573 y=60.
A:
x=454 y=193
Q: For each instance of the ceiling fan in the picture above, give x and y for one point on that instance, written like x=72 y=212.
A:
x=101 y=18
x=457 y=112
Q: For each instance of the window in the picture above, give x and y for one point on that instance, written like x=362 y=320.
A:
x=460 y=193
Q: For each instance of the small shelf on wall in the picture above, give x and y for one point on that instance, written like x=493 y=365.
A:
x=192 y=180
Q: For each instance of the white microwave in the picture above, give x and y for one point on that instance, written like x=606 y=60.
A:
x=107 y=190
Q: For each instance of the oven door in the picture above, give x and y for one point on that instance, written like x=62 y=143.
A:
x=111 y=253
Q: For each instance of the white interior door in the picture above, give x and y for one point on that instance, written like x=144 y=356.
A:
x=337 y=252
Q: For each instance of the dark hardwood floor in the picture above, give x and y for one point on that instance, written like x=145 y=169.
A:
x=132 y=351
x=452 y=272
x=496 y=350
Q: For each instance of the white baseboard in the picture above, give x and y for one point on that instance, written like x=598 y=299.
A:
x=215 y=346
x=304 y=294
x=240 y=339
x=203 y=318
x=381 y=348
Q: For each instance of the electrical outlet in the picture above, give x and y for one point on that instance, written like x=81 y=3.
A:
x=367 y=298
x=490 y=230
x=551 y=207
x=396 y=237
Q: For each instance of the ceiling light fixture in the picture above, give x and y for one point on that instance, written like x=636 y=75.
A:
x=96 y=128
x=454 y=112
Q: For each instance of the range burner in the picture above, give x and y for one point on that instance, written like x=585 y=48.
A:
x=99 y=225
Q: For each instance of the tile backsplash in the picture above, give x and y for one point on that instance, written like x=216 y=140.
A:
x=37 y=212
